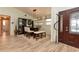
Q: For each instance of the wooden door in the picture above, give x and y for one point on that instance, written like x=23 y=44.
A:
x=7 y=27
x=63 y=32
x=69 y=27
x=0 y=26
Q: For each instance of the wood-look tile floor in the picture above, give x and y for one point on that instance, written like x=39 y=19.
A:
x=21 y=43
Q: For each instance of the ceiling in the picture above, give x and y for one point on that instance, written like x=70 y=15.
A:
x=40 y=11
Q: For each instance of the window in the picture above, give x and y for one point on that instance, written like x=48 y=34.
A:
x=74 y=23
x=61 y=23
x=48 y=21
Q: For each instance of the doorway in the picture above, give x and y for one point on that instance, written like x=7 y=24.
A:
x=4 y=25
x=69 y=27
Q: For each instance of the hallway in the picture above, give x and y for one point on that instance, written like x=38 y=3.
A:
x=4 y=25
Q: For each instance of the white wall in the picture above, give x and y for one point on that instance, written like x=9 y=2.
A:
x=47 y=28
x=14 y=13
x=55 y=11
x=44 y=27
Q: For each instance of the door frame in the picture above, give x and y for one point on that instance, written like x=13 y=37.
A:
x=8 y=18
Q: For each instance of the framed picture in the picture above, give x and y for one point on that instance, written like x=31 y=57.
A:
x=29 y=22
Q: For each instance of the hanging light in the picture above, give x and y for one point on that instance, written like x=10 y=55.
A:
x=34 y=10
x=34 y=13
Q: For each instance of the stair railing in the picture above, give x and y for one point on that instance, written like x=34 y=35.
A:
x=56 y=23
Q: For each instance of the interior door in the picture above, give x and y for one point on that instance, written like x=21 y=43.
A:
x=69 y=27
x=7 y=26
x=0 y=26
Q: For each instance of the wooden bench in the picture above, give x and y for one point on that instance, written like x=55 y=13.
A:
x=39 y=34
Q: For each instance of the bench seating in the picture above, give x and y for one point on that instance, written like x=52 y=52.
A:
x=39 y=34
